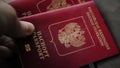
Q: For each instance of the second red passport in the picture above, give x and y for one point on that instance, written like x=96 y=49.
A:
x=30 y=7
x=67 y=38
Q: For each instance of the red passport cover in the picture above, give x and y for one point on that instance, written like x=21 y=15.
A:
x=30 y=7
x=66 y=38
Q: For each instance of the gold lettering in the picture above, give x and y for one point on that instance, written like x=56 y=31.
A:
x=42 y=57
x=40 y=54
x=46 y=53
x=40 y=45
x=104 y=40
x=90 y=18
x=27 y=47
x=55 y=4
x=28 y=13
x=96 y=28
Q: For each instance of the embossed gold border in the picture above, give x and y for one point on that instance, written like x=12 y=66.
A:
x=37 y=5
x=52 y=41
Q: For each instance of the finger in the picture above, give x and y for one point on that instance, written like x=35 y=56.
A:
x=27 y=28
x=21 y=29
x=8 y=42
x=4 y=52
x=9 y=24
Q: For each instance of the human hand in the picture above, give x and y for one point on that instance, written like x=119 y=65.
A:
x=11 y=27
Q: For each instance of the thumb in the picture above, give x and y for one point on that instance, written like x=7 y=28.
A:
x=9 y=24
x=21 y=29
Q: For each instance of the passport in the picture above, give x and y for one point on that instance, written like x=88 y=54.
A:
x=30 y=7
x=66 y=38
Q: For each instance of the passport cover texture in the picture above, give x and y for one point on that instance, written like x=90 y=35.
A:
x=66 y=38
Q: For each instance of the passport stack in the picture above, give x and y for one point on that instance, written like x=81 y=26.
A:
x=72 y=35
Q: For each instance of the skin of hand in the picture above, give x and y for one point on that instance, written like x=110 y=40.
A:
x=11 y=27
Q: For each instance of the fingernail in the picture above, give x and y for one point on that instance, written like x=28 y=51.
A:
x=27 y=27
